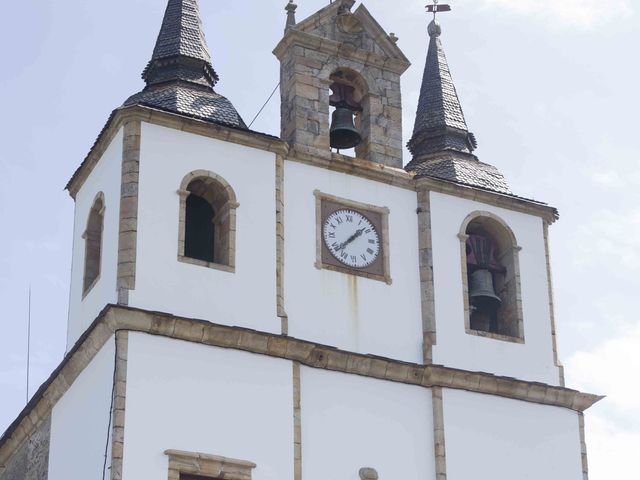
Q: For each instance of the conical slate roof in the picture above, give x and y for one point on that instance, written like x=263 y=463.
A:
x=179 y=76
x=441 y=144
x=181 y=32
x=440 y=123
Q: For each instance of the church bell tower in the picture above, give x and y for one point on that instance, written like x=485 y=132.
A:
x=247 y=306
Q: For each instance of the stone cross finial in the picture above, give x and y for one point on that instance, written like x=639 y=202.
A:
x=291 y=14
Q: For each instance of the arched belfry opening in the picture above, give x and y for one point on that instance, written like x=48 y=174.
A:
x=207 y=230
x=93 y=244
x=491 y=277
x=348 y=107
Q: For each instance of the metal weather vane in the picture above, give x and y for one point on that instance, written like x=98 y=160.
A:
x=436 y=8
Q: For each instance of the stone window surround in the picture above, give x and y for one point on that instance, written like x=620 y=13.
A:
x=86 y=289
x=515 y=250
x=384 y=215
x=228 y=209
x=205 y=465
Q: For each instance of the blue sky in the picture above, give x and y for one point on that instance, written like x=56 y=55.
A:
x=549 y=88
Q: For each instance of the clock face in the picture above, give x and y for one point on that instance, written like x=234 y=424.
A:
x=351 y=238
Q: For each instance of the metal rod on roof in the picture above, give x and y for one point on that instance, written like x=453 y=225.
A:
x=29 y=344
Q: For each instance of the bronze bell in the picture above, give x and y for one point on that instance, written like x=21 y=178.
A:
x=482 y=292
x=343 y=133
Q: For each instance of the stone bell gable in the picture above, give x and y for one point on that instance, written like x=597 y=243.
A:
x=358 y=29
x=336 y=45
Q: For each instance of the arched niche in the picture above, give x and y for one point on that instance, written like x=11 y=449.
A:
x=508 y=323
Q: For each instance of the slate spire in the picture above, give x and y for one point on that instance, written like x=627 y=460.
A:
x=179 y=76
x=181 y=51
x=442 y=145
x=440 y=123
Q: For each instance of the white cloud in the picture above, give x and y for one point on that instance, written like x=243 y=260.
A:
x=612 y=180
x=583 y=14
x=613 y=432
x=609 y=239
x=612 y=453
x=612 y=368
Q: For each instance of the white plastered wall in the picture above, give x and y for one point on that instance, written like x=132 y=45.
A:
x=245 y=298
x=203 y=399
x=106 y=178
x=350 y=422
x=80 y=421
x=503 y=439
x=532 y=360
x=346 y=311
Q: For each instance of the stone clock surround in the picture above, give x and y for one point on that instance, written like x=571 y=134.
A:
x=382 y=213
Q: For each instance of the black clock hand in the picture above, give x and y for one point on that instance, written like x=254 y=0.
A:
x=344 y=244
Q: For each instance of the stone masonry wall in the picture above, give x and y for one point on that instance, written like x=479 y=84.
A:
x=309 y=59
x=305 y=82
x=31 y=460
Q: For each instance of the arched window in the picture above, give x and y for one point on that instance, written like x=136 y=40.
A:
x=93 y=244
x=207 y=221
x=491 y=278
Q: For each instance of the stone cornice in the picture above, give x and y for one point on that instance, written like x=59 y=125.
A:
x=115 y=318
x=331 y=161
x=342 y=50
x=123 y=115
x=400 y=178
x=353 y=166
x=379 y=33
x=510 y=202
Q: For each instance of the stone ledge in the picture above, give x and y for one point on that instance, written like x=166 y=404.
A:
x=511 y=202
x=330 y=358
x=117 y=318
x=354 y=166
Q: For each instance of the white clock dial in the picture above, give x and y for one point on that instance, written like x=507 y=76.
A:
x=351 y=238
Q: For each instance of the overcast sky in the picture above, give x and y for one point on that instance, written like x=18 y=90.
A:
x=549 y=88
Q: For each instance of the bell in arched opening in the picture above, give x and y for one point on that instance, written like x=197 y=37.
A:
x=483 y=265
x=343 y=132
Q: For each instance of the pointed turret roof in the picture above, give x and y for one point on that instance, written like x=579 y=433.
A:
x=440 y=123
x=180 y=77
x=441 y=144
